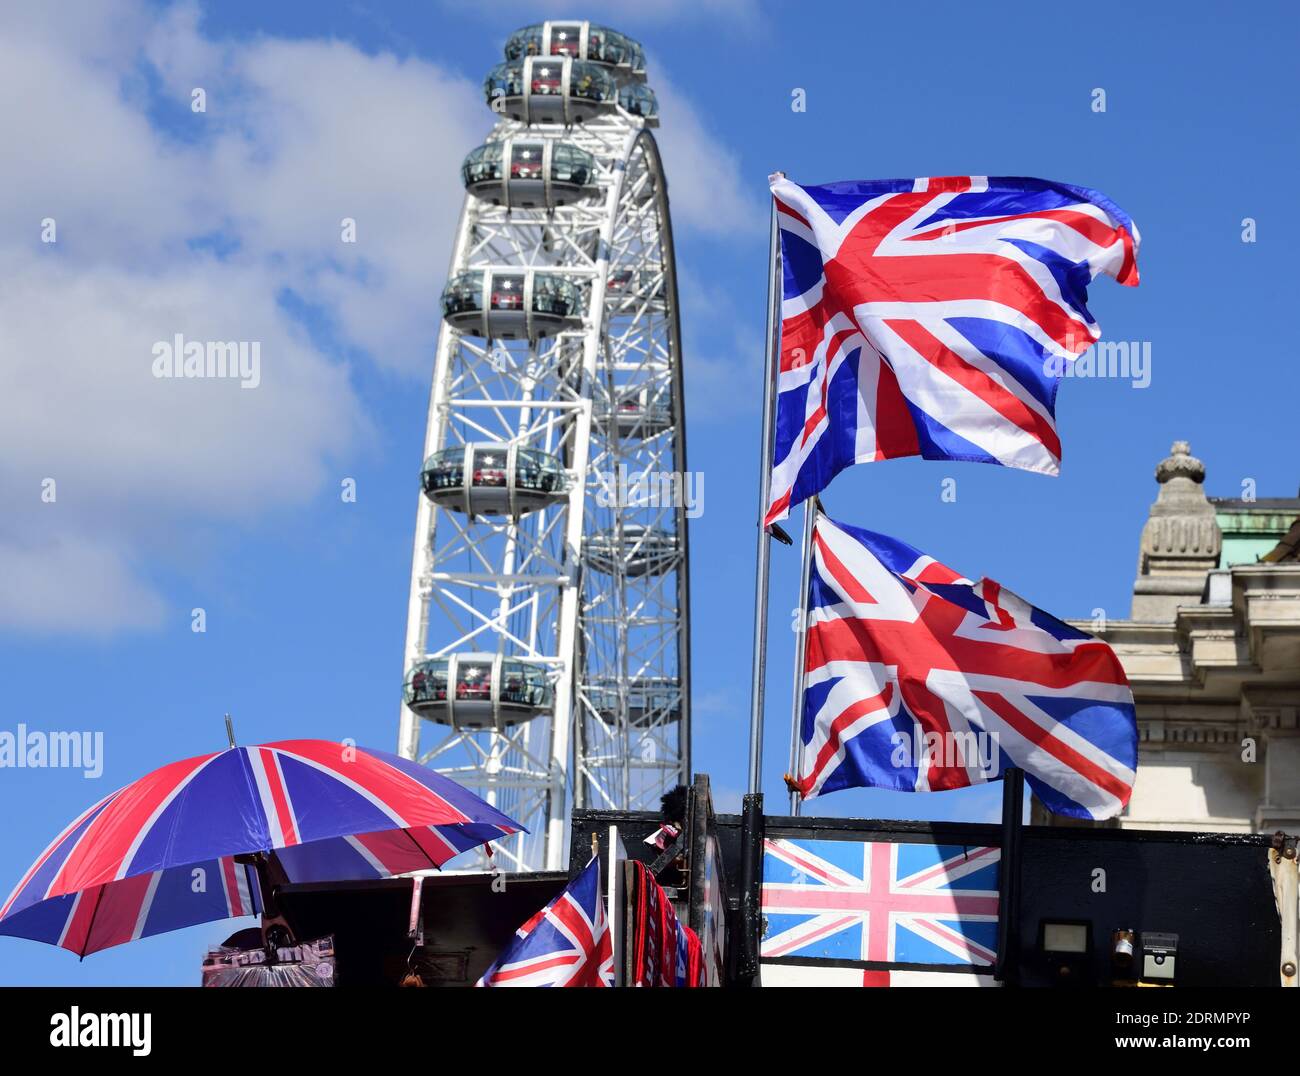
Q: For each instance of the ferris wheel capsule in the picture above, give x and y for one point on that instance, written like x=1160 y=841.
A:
x=511 y=304
x=474 y=690
x=582 y=41
x=493 y=479
x=545 y=89
x=523 y=173
x=627 y=287
x=640 y=101
x=639 y=414
x=651 y=700
x=638 y=551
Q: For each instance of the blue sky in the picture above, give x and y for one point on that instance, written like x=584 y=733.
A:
x=324 y=110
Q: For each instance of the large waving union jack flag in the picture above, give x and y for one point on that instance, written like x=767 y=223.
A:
x=880 y=901
x=567 y=943
x=933 y=318
x=918 y=679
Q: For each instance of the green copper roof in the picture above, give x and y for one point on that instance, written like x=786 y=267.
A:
x=1252 y=528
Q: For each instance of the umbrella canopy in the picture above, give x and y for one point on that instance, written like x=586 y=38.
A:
x=158 y=854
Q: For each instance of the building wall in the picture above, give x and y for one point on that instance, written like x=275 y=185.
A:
x=1212 y=651
x=1193 y=790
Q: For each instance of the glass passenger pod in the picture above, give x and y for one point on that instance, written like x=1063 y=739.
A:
x=581 y=41
x=527 y=174
x=511 y=304
x=651 y=700
x=542 y=89
x=636 y=415
x=628 y=288
x=478 y=690
x=643 y=551
x=639 y=100
x=493 y=479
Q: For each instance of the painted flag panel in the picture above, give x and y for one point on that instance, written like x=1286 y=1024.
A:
x=880 y=901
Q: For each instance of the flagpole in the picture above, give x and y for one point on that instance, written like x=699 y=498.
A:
x=771 y=358
x=810 y=509
x=752 y=828
x=1007 y=967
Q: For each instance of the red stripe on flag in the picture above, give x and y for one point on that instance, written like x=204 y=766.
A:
x=895 y=427
x=779 y=507
x=832 y=745
x=1062 y=752
x=832 y=347
x=566 y=913
x=848 y=582
x=947 y=184
x=978 y=383
x=503 y=975
x=1092 y=229
x=1128 y=272
x=859 y=275
x=785 y=210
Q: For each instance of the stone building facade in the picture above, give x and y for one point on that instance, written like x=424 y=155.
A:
x=1212 y=650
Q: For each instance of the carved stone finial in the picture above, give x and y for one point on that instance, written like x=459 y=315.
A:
x=1180 y=463
x=1180 y=542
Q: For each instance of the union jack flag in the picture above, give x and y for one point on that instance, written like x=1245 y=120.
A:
x=917 y=679
x=567 y=943
x=933 y=318
x=690 y=971
x=894 y=903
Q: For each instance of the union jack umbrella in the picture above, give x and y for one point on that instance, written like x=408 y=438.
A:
x=567 y=943
x=160 y=853
x=917 y=679
x=880 y=901
x=934 y=318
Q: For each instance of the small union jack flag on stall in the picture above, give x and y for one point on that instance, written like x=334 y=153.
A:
x=567 y=943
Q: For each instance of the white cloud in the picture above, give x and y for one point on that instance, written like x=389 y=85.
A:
x=69 y=583
x=80 y=397
x=301 y=136
x=311 y=132
x=138 y=462
x=705 y=186
x=170 y=221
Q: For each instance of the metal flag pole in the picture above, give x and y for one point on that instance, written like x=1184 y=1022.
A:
x=751 y=853
x=771 y=360
x=810 y=509
x=1007 y=968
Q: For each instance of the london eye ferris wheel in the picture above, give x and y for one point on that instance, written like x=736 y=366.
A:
x=547 y=660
